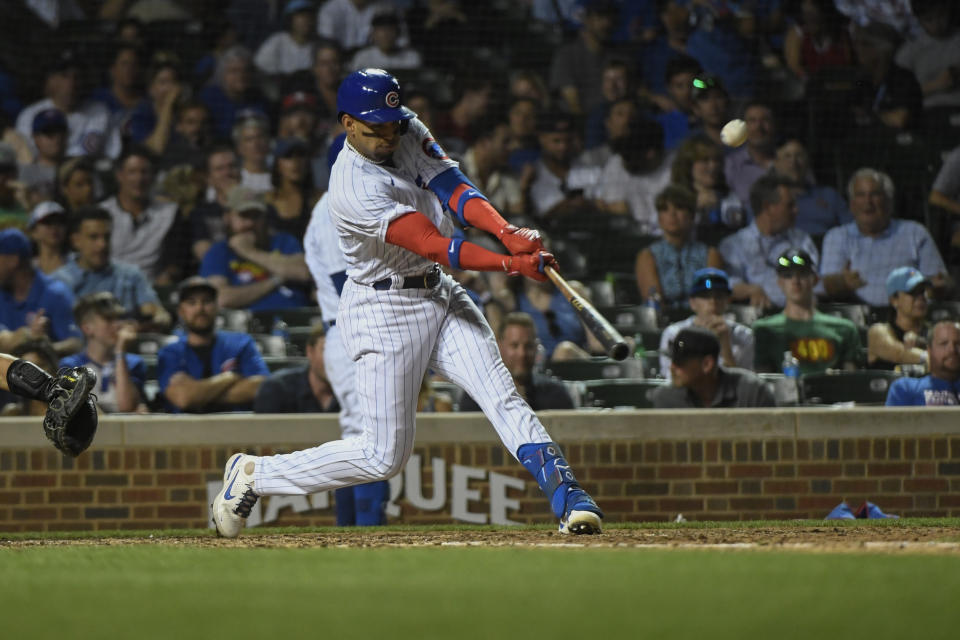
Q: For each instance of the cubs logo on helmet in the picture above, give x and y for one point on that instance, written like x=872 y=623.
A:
x=372 y=95
x=392 y=99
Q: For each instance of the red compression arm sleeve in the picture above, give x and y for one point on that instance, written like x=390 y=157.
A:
x=415 y=232
x=478 y=212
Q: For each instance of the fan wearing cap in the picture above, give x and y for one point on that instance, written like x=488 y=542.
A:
x=293 y=196
x=817 y=340
x=89 y=269
x=50 y=140
x=942 y=386
x=709 y=297
x=108 y=333
x=902 y=339
x=698 y=381
x=711 y=105
x=30 y=298
x=560 y=185
x=750 y=255
x=89 y=128
x=253 y=268
x=48 y=230
x=291 y=49
x=385 y=51
x=208 y=370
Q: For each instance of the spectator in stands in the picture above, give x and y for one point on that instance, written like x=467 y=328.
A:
x=299 y=389
x=152 y=120
x=322 y=81
x=207 y=223
x=90 y=270
x=711 y=105
x=50 y=141
x=933 y=56
x=615 y=84
x=699 y=381
x=123 y=93
x=755 y=157
x=858 y=256
x=657 y=55
x=887 y=95
x=456 y=128
x=517 y=340
x=724 y=42
x=146 y=232
x=255 y=269
x=620 y=115
x=816 y=39
x=421 y=104
x=709 y=297
x=48 y=230
x=577 y=67
x=677 y=107
x=12 y=210
x=385 y=51
x=89 y=130
x=560 y=187
x=750 y=255
x=639 y=169
x=485 y=163
x=208 y=370
x=942 y=386
x=817 y=340
x=945 y=192
x=297 y=116
x=120 y=375
x=76 y=184
x=30 y=298
x=292 y=198
x=523 y=116
x=190 y=135
x=231 y=91
x=902 y=339
x=349 y=22
x=819 y=207
x=251 y=136
x=525 y=83
x=698 y=165
x=40 y=352
x=666 y=269
x=291 y=49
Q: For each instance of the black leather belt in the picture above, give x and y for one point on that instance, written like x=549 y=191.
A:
x=427 y=281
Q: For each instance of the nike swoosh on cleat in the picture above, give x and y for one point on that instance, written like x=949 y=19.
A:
x=226 y=494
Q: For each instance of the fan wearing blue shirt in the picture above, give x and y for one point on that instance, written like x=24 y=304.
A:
x=208 y=370
x=121 y=375
x=30 y=298
x=253 y=268
x=942 y=386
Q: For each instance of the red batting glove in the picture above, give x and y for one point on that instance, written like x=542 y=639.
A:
x=530 y=265
x=520 y=240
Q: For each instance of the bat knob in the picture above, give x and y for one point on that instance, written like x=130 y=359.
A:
x=619 y=351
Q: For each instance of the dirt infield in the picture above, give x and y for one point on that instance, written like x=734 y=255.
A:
x=819 y=538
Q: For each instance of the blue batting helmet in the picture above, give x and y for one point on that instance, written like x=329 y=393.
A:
x=372 y=95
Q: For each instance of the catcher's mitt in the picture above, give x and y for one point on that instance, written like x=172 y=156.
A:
x=71 y=419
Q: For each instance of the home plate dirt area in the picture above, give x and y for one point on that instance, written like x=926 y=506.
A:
x=826 y=538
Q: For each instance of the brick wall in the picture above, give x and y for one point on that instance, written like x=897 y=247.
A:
x=636 y=474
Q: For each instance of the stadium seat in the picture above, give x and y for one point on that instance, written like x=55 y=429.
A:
x=745 y=314
x=596 y=369
x=855 y=313
x=262 y=321
x=859 y=387
x=630 y=319
x=275 y=363
x=944 y=310
x=621 y=393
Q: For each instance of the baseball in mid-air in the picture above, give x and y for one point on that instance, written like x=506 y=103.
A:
x=734 y=133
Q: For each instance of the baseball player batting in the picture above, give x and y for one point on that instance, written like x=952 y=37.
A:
x=362 y=504
x=400 y=314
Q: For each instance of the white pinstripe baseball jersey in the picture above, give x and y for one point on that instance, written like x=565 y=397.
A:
x=365 y=197
x=324 y=258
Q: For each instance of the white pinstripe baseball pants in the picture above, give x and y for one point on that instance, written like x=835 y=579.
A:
x=393 y=336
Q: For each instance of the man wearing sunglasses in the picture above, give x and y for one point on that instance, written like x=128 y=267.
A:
x=700 y=382
x=817 y=340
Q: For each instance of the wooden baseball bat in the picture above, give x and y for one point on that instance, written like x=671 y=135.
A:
x=617 y=348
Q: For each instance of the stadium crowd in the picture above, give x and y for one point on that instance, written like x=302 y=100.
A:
x=160 y=160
